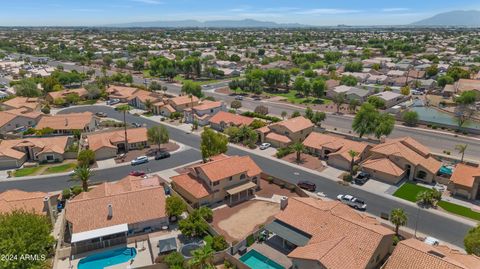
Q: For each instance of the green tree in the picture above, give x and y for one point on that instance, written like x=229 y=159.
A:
x=25 y=234
x=376 y=101
x=194 y=88
x=235 y=104
x=348 y=81
x=444 y=80
x=175 y=260
x=86 y=157
x=124 y=110
x=461 y=148
x=405 y=90
x=384 y=126
x=309 y=113
x=299 y=148
x=365 y=120
x=319 y=87
x=471 y=241
x=206 y=213
x=149 y=105
x=410 y=118
x=82 y=174
x=155 y=86
x=194 y=225
x=202 y=258
x=158 y=135
x=27 y=88
x=339 y=99
x=352 y=105
x=398 y=217
x=174 y=206
x=353 y=154
x=212 y=143
x=219 y=243
x=284 y=114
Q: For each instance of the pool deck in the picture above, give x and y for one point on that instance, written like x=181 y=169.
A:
x=142 y=258
x=270 y=253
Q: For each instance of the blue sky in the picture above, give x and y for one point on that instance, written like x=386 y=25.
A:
x=314 y=12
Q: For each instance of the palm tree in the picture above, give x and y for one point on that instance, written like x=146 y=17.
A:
x=398 y=218
x=284 y=114
x=352 y=154
x=461 y=149
x=202 y=258
x=83 y=174
x=298 y=147
x=124 y=109
x=149 y=105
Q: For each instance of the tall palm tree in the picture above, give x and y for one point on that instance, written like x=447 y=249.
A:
x=202 y=258
x=352 y=154
x=299 y=148
x=124 y=109
x=461 y=149
x=149 y=105
x=398 y=218
x=83 y=174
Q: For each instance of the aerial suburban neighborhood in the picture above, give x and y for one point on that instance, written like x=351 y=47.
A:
x=321 y=139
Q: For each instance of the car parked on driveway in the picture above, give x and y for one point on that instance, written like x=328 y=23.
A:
x=265 y=146
x=101 y=114
x=112 y=102
x=239 y=97
x=352 y=201
x=361 y=178
x=137 y=173
x=162 y=155
x=307 y=185
x=136 y=124
x=139 y=160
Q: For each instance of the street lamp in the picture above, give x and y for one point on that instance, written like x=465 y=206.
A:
x=416 y=221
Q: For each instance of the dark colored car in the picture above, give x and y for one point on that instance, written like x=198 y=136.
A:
x=137 y=173
x=361 y=178
x=162 y=155
x=101 y=114
x=307 y=185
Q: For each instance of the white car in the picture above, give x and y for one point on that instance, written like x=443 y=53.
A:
x=139 y=160
x=432 y=241
x=352 y=201
x=265 y=146
x=440 y=187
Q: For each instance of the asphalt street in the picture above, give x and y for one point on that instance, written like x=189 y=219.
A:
x=427 y=222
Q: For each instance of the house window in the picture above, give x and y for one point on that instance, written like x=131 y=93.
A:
x=230 y=178
x=242 y=176
x=254 y=180
x=216 y=183
x=49 y=157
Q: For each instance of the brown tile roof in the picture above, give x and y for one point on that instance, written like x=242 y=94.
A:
x=464 y=175
x=414 y=254
x=183 y=100
x=19 y=102
x=340 y=236
x=20 y=200
x=143 y=96
x=121 y=92
x=467 y=85
x=107 y=139
x=278 y=137
x=340 y=146
x=132 y=200
x=227 y=166
x=9 y=115
x=296 y=124
x=411 y=150
x=14 y=148
x=208 y=105
x=195 y=186
x=383 y=165
x=230 y=119
x=71 y=121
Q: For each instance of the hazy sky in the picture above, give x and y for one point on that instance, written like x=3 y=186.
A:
x=314 y=12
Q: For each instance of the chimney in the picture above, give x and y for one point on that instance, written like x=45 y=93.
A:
x=66 y=122
x=283 y=202
x=110 y=211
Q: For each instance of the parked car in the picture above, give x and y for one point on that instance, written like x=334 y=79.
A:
x=432 y=241
x=137 y=173
x=257 y=98
x=307 y=185
x=352 y=201
x=265 y=146
x=112 y=102
x=136 y=124
x=139 y=160
x=162 y=155
x=239 y=97
x=440 y=187
x=101 y=114
x=361 y=178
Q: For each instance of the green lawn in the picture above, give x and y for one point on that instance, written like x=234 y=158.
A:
x=60 y=168
x=459 y=210
x=292 y=97
x=409 y=191
x=23 y=172
x=181 y=79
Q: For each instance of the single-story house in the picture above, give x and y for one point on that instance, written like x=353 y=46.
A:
x=15 y=119
x=52 y=96
x=465 y=181
x=30 y=103
x=68 y=123
x=223 y=120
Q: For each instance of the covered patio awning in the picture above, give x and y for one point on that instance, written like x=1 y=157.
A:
x=167 y=245
x=82 y=236
x=288 y=233
x=240 y=188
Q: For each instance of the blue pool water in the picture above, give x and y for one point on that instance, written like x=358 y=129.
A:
x=256 y=260
x=107 y=258
x=446 y=170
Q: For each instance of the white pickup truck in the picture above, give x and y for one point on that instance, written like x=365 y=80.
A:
x=352 y=201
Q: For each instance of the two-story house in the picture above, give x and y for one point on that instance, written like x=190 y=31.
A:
x=287 y=132
x=203 y=112
x=232 y=179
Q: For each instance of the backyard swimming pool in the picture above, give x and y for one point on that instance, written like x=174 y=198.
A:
x=256 y=260
x=107 y=258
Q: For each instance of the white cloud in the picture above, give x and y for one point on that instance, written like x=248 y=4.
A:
x=150 y=2
x=327 y=11
x=395 y=9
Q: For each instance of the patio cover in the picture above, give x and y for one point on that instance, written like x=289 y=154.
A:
x=288 y=233
x=166 y=245
x=243 y=187
x=82 y=236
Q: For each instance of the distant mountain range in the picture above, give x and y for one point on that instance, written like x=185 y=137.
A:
x=247 y=23
x=469 y=18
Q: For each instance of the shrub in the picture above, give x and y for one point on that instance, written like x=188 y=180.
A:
x=250 y=240
x=396 y=239
x=355 y=169
x=66 y=193
x=219 y=243
x=174 y=260
x=282 y=152
x=76 y=190
x=86 y=157
x=347 y=177
x=270 y=180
